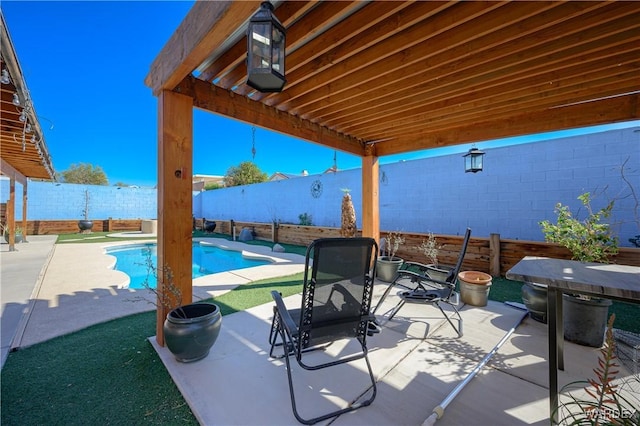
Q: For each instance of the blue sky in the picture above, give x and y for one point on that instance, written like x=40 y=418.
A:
x=85 y=63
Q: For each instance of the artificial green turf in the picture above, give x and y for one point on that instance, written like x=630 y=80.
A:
x=94 y=237
x=109 y=373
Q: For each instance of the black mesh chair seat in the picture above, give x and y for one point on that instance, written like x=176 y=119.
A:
x=421 y=283
x=336 y=300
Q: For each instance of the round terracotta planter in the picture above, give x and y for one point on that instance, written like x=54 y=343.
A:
x=474 y=287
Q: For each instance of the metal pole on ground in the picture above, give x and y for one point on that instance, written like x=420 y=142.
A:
x=438 y=411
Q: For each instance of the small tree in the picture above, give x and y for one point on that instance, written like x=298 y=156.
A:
x=589 y=240
x=244 y=174
x=85 y=174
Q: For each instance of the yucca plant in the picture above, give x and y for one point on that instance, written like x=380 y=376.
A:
x=598 y=401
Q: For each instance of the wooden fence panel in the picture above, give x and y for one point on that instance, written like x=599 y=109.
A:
x=55 y=227
x=478 y=258
x=304 y=235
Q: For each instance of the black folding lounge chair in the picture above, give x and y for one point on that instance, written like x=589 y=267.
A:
x=336 y=299
x=422 y=285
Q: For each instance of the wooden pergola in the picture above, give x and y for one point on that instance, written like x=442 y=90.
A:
x=379 y=78
x=24 y=152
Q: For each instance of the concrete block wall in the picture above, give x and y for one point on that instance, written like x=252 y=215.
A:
x=59 y=201
x=519 y=187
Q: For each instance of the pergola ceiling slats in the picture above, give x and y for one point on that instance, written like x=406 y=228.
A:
x=579 y=115
x=467 y=63
x=380 y=78
x=23 y=151
x=414 y=74
x=533 y=94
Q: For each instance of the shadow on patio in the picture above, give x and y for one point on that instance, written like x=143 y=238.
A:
x=239 y=384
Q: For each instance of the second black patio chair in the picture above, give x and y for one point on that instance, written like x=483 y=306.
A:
x=336 y=299
x=423 y=284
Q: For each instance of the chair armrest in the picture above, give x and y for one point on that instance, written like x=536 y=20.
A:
x=423 y=267
x=422 y=277
x=285 y=316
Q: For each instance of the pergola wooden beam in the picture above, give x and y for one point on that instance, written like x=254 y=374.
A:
x=8 y=170
x=224 y=102
x=605 y=111
x=195 y=39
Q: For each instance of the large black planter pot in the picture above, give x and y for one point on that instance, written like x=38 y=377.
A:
x=534 y=297
x=585 y=321
x=209 y=225
x=85 y=225
x=191 y=330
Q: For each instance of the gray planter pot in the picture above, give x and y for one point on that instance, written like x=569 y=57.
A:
x=17 y=237
x=191 y=330
x=585 y=321
x=474 y=287
x=387 y=267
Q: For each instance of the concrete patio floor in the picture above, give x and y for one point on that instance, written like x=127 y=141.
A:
x=417 y=358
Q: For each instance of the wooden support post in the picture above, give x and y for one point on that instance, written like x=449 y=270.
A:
x=274 y=232
x=370 y=197
x=175 y=159
x=494 y=255
x=11 y=214
x=24 y=212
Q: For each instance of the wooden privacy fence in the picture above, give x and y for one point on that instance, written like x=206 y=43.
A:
x=492 y=255
x=49 y=227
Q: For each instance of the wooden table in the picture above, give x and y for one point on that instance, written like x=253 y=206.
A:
x=618 y=282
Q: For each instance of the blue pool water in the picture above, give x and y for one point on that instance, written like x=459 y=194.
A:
x=132 y=260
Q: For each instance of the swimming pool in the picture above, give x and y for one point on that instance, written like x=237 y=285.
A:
x=132 y=260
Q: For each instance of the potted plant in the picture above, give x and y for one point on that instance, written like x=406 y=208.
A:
x=19 y=233
x=599 y=401
x=589 y=240
x=388 y=263
x=430 y=248
x=85 y=224
x=189 y=330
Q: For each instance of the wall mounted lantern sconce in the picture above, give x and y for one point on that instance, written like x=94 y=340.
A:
x=265 y=51
x=473 y=160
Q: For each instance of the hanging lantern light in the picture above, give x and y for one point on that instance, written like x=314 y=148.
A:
x=265 y=51
x=473 y=160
